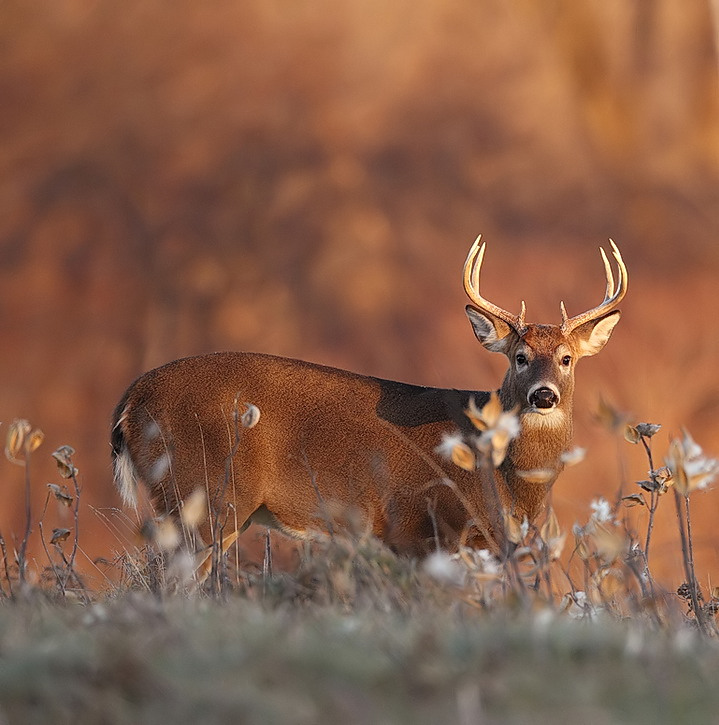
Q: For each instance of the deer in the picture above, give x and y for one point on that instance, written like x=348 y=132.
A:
x=315 y=441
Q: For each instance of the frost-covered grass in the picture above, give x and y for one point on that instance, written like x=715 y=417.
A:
x=144 y=659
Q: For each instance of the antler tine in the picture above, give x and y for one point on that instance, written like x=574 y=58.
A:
x=612 y=296
x=608 y=273
x=472 y=271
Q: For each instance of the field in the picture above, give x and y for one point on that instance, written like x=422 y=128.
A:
x=427 y=659
x=349 y=631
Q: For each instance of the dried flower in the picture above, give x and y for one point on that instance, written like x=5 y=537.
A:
x=251 y=417
x=647 y=430
x=456 y=450
x=515 y=530
x=631 y=434
x=552 y=536
x=635 y=499
x=601 y=537
x=444 y=568
x=63 y=458
x=690 y=468
x=59 y=535
x=658 y=482
x=194 y=508
x=61 y=494
x=34 y=441
x=601 y=510
x=164 y=534
x=498 y=427
x=22 y=440
x=635 y=433
x=573 y=456
x=15 y=441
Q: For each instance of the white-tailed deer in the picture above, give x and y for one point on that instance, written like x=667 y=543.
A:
x=328 y=440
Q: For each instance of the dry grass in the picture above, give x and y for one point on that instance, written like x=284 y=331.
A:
x=355 y=633
x=140 y=659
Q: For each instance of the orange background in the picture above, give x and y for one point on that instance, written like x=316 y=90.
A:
x=305 y=179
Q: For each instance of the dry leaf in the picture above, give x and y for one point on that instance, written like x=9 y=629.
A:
x=61 y=494
x=499 y=443
x=550 y=529
x=512 y=528
x=631 y=434
x=552 y=536
x=475 y=415
x=15 y=441
x=63 y=458
x=34 y=441
x=463 y=456
x=59 y=535
x=581 y=546
x=634 y=499
x=492 y=410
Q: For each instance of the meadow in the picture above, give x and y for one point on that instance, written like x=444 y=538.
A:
x=545 y=624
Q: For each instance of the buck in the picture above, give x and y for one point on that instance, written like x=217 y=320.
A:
x=328 y=440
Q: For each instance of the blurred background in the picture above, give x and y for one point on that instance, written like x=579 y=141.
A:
x=305 y=179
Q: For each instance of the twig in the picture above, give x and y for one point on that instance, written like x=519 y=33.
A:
x=22 y=562
x=653 y=501
x=688 y=562
x=3 y=547
x=70 y=565
x=55 y=569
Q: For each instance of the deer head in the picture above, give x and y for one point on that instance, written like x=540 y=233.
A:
x=540 y=379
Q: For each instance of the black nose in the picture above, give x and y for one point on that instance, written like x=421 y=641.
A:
x=543 y=398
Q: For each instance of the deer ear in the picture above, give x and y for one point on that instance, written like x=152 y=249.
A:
x=592 y=336
x=493 y=333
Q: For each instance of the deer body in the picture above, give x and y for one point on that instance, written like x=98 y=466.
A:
x=329 y=442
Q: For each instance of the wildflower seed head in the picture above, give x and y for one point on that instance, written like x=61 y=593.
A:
x=454 y=448
x=601 y=510
x=647 y=430
x=63 y=458
x=444 y=568
x=251 y=417
x=573 y=456
x=690 y=469
x=15 y=442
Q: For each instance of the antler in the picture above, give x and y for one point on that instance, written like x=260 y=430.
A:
x=472 y=268
x=611 y=297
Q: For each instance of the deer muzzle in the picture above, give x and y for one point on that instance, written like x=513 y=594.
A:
x=543 y=397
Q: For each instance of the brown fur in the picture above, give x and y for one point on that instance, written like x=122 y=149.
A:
x=330 y=441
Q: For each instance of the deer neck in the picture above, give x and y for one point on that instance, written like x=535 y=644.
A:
x=534 y=460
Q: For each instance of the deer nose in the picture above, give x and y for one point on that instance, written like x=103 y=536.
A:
x=543 y=398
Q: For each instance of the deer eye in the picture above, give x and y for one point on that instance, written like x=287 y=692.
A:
x=521 y=358
x=567 y=360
